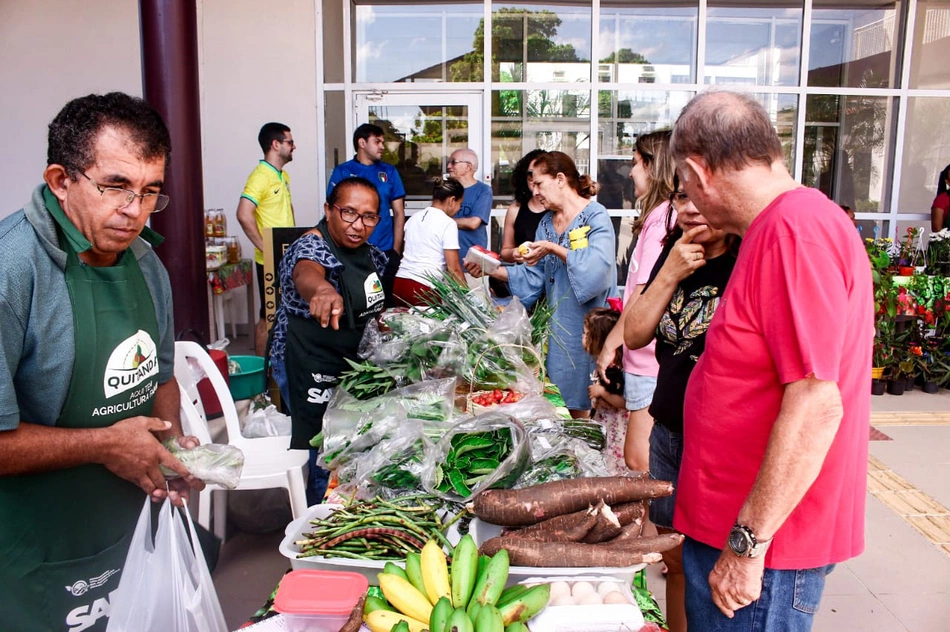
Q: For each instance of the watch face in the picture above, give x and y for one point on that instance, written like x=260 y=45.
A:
x=739 y=542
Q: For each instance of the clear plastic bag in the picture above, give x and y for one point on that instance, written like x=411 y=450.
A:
x=440 y=458
x=165 y=582
x=266 y=422
x=348 y=432
x=395 y=466
x=217 y=463
x=413 y=345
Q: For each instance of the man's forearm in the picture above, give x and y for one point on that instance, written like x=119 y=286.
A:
x=801 y=437
x=167 y=407
x=32 y=448
x=468 y=223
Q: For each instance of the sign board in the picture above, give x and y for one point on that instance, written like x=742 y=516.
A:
x=276 y=243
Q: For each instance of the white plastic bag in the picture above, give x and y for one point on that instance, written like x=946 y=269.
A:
x=266 y=422
x=165 y=584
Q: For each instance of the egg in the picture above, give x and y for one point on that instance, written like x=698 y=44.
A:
x=605 y=588
x=582 y=589
x=524 y=248
x=591 y=599
x=564 y=599
x=615 y=597
x=560 y=588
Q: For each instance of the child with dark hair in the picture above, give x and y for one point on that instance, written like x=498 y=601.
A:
x=607 y=399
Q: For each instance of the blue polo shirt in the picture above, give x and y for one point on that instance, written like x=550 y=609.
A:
x=476 y=203
x=389 y=186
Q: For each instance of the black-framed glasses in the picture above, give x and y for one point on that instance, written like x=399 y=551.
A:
x=350 y=216
x=286 y=140
x=120 y=198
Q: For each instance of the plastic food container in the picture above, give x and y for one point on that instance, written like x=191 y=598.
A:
x=487 y=262
x=318 y=601
x=250 y=380
x=590 y=610
x=214 y=257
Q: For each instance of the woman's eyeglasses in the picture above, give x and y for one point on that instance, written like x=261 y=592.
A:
x=350 y=216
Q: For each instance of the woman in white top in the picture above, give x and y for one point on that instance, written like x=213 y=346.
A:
x=432 y=244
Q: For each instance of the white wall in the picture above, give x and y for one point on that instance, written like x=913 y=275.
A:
x=255 y=66
x=52 y=51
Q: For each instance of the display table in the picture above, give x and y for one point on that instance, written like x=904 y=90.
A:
x=220 y=283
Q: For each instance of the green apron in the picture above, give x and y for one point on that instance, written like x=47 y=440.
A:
x=315 y=355
x=64 y=535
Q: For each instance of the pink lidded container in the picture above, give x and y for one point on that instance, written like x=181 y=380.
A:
x=318 y=601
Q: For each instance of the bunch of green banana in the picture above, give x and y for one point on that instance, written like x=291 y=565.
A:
x=470 y=598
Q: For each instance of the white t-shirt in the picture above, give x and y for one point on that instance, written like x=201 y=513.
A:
x=428 y=234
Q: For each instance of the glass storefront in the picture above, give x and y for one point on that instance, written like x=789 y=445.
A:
x=860 y=102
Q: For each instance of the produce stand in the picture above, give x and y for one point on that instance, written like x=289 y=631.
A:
x=401 y=425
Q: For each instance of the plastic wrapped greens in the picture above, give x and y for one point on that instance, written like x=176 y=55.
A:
x=212 y=462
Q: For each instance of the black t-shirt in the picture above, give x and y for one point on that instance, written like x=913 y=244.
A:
x=681 y=334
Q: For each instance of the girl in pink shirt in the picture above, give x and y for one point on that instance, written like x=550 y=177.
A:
x=652 y=170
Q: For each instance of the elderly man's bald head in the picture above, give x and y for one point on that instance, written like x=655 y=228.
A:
x=468 y=155
x=726 y=129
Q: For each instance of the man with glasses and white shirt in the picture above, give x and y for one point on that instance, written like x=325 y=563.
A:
x=266 y=203
x=87 y=387
x=473 y=217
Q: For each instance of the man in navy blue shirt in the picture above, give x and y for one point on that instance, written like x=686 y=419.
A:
x=367 y=163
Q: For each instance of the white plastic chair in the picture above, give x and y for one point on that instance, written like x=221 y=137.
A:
x=268 y=461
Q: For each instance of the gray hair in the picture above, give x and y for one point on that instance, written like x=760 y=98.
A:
x=469 y=155
x=726 y=129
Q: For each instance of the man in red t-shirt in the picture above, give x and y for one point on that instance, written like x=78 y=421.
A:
x=773 y=481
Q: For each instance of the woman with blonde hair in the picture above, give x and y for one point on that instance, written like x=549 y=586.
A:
x=652 y=171
x=572 y=262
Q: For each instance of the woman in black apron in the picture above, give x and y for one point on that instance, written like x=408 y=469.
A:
x=331 y=287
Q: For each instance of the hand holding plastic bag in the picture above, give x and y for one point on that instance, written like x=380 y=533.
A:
x=165 y=583
x=211 y=462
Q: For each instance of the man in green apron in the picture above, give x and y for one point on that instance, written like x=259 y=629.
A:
x=87 y=391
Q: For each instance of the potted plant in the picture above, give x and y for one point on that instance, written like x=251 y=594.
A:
x=929 y=363
x=882 y=354
x=938 y=254
x=903 y=364
x=909 y=251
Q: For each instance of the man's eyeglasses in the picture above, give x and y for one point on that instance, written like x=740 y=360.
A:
x=455 y=162
x=284 y=140
x=350 y=216
x=120 y=198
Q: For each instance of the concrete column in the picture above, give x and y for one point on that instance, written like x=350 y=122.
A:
x=170 y=76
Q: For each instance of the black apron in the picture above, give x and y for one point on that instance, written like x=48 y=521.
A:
x=64 y=535
x=315 y=355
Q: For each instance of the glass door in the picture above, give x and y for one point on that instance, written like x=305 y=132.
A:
x=421 y=132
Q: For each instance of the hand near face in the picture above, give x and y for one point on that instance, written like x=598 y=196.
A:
x=326 y=307
x=685 y=257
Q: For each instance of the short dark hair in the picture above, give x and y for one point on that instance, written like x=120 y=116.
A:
x=347 y=183
x=448 y=188
x=74 y=131
x=519 y=176
x=364 y=132
x=726 y=129
x=269 y=133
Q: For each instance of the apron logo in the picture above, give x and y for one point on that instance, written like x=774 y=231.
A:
x=132 y=362
x=81 y=587
x=373 y=290
x=84 y=617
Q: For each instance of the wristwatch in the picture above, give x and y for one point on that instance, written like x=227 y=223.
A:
x=743 y=542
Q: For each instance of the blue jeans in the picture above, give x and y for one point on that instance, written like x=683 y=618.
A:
x=788 y=602
x=666 y=456
x=318 y=478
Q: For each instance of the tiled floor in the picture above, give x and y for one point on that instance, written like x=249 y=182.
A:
x=901 y=582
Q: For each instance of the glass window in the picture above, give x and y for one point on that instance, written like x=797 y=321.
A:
x=332 y=18
x=626 y=114
x=753 y=46
x=926 y=153
x=418 y=43
x=530 y=42
x=847 y=142
x=553 y=120
x=419 y=139
x=852 y=45
x=783 y=110
x=647 y=44
x=929 y=68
